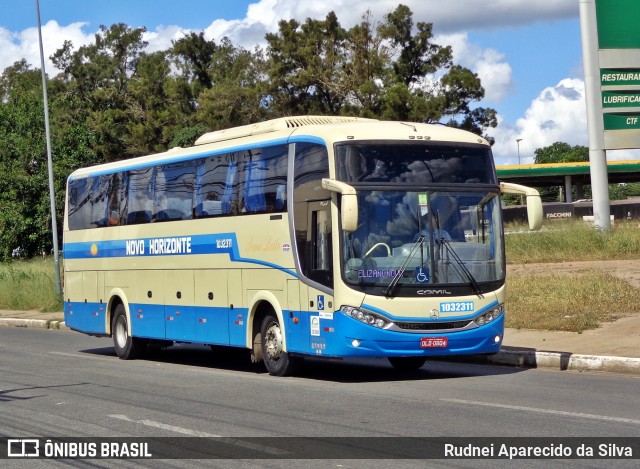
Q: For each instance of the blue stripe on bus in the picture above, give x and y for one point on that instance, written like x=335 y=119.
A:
x=335 y=338
x=223 y=243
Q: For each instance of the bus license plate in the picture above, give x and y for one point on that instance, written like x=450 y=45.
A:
x=434 y=342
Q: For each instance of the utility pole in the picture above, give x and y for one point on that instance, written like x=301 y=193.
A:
x=54 y=224
x=518 y=140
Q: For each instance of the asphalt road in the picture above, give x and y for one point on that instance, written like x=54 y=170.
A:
x=62 y=383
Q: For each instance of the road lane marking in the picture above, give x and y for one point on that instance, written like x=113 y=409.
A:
x=605 y=418
x=84 y=356
x=164 y=426
x=196 y=433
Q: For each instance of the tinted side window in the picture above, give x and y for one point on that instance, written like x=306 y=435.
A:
x=79 y=203
x=174 y=192
x=211 y=174
x=263 y=180
x=117 y=200
x=141 y=195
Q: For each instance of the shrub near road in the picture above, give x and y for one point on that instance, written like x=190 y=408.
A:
x=26 y=285
x=573 y=241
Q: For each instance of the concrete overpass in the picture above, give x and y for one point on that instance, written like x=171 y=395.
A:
x=567 y=175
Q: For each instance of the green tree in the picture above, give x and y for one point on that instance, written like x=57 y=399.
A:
x=99 y=74
x=305 y=64
x=561 y=152
x=237 y=95
x=393 y=71
x=24 y=195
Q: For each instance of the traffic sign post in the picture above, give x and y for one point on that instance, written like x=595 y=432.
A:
x=611 y=56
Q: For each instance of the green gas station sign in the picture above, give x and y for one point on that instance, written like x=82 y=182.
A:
x=620 y=77
x=621 y=121
x=618 y=24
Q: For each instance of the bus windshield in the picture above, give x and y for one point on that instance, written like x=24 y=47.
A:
x=421 y=238
x=421 y=162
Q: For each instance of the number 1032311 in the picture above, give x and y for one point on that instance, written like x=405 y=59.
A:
x=457 y=307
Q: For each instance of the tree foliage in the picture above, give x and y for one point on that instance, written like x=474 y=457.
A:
x=112 y=99
x=561 y=152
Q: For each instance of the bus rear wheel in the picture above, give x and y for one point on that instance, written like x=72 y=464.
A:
x=127 y=347
x=407 y=363
x=276 y=360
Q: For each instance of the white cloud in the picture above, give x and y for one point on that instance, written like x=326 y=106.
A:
x=558 y=114
x=447 y=16
x=25 y=44
x=490 y=65
x=161 y=38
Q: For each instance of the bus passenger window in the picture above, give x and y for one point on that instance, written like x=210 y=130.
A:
x=141 y=190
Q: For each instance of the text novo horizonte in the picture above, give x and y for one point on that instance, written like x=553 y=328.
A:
x=159 y=246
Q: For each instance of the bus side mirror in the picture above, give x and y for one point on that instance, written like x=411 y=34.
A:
x=534 y=204
x=348 y=203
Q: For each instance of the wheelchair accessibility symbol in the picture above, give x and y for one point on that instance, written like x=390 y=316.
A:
x=320 y=302
x=422 y=275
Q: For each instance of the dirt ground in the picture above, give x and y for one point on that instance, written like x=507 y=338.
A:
x=626 y=270
x=617 y=338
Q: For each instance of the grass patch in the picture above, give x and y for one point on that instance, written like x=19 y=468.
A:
x=26 y=285
x=568 y=303
x=573 y=241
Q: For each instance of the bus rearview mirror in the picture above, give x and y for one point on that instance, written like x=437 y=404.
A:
x=534 y=203
x=348 y=203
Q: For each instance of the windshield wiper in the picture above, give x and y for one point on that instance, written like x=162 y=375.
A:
x=396 y=278
x=465 y=270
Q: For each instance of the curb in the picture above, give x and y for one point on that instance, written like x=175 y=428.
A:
x=35 y=323
x=560 y=361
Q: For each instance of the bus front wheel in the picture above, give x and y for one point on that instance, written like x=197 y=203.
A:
x=276 y=360
x=127 y=347
x=407 y=363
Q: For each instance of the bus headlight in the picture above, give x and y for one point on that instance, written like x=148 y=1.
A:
x=366 y=317
x=491 y=315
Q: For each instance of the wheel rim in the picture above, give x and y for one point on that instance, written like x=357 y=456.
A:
x=121 y=332
x=273 y=341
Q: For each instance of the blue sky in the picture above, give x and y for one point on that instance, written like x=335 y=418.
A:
x=528 y=54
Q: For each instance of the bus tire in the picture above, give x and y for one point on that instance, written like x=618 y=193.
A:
x=276 y=360
x=407 y=363
x=127 y=347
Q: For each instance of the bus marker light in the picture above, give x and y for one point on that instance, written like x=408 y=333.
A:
x=355 y=343
x=296 y=320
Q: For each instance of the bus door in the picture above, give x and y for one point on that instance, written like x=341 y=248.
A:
x=307 y=328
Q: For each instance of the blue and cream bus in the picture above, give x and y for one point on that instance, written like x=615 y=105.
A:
x=296 y=237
